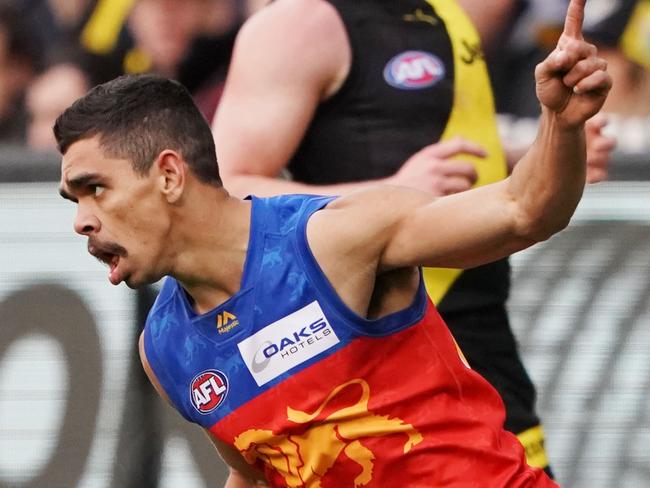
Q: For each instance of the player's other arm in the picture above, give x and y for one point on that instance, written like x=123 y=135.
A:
x=241 y=474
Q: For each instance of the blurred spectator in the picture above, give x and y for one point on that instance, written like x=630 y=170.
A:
x=67 y=13
x=532 y=32
x=517 y=34
x=49 y=21
x=104 y=38
x=620 y=29
x=49 y=94
x=622 y=32
x=164 y=30
x=19 y=59
x=190 y=41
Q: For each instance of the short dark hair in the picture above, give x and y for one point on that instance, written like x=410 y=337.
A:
x=137 y=117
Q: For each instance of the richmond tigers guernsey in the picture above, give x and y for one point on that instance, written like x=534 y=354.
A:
x=417 y=77
x=317 y=396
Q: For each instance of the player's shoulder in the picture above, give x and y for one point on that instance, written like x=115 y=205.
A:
x=168 y=290
x=381 y=198
x=354 y=230
x=367 y=216
x=296 y=10
x=300 y=20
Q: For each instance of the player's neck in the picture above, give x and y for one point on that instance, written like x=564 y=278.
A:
x=209 y=262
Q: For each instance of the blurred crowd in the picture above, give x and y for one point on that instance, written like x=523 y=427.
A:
x=52 y=51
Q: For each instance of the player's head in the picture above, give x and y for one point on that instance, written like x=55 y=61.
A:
x=135 y=151
x=136 y=117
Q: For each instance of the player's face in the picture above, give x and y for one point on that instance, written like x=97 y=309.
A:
x=121 y=212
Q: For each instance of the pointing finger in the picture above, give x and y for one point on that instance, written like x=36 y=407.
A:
x=574 y=19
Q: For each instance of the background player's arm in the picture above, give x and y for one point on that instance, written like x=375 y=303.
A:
x=275 y=84
x=404 y=228
x=288 y=58
x=241 y=474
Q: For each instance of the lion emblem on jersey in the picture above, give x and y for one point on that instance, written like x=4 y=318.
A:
x=303 y=459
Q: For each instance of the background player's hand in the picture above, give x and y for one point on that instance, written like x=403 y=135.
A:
x=433 y=170
x=599 y=148
x=572 y=81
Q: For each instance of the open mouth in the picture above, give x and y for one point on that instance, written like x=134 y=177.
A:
x=108 y=254
x=106 y=257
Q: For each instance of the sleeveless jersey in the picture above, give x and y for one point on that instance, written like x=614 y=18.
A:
x=317 y=396
x=417 y=77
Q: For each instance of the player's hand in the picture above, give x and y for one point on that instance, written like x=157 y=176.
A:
x=433 y=170
x=599 y=148
x=572 y=82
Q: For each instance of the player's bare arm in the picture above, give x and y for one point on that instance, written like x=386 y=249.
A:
x=404 y=228
x=275 y=82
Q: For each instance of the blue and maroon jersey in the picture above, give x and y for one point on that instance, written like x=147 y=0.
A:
x=317 y=396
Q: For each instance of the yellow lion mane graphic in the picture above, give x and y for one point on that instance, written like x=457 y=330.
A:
x=303 y=459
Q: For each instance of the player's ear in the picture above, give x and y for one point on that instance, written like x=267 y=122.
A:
x=171 y=174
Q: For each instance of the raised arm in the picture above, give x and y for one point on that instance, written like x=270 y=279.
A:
x=404 y=228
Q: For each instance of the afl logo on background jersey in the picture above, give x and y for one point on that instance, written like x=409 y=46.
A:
x=208 y=390
x=414 y=70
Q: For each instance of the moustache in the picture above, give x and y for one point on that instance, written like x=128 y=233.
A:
x=99 y=249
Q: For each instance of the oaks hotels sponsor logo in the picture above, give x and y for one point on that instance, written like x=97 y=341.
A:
x=286 y=343
x=414 y=70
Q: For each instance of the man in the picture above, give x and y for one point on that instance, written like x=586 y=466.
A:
x=19 y=59
x=296 y=329
x=392 y=91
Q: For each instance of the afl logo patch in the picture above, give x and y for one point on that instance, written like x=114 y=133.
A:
x=208 y=390
x=414 y=70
